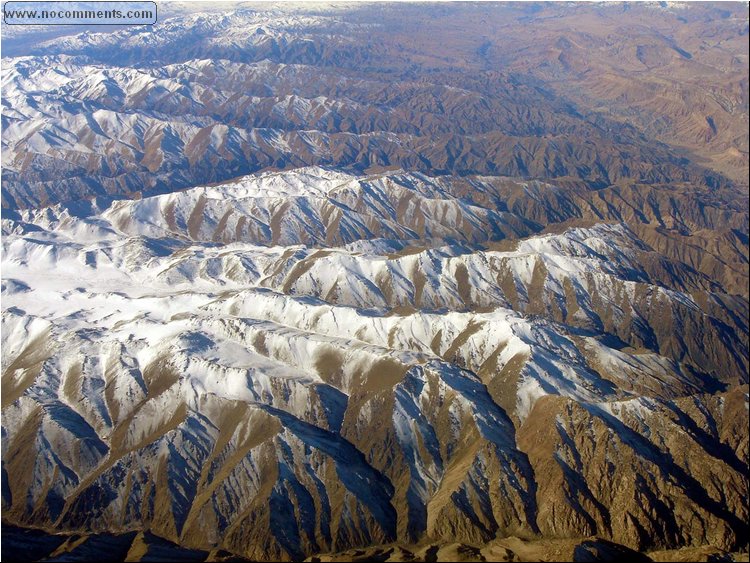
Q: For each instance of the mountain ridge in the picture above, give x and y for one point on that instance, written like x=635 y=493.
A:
x=317 y=284
x=154 y=338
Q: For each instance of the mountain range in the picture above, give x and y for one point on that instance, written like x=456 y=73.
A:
x=324 y=283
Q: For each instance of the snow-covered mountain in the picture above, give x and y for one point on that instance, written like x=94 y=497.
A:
x=310 y=361
x=207 y=97
x=377 y=280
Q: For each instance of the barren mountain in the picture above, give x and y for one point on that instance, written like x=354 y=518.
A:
x=352 y=283
x=408 y=364
x=207 y=97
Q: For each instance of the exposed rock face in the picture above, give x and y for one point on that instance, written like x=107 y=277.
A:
x=288 y=283
x=434 y=366
x=132 y=546
x=580 y=92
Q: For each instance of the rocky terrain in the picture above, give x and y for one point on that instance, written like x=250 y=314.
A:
x=208 y=97
x=307 y=283
x=307 y=361
x=132 y=546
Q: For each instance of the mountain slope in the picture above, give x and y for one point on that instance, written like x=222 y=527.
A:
x=208 y=97
x=369 y=381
